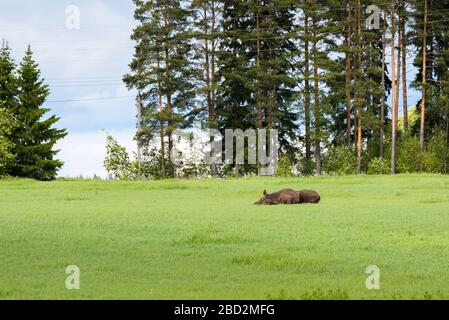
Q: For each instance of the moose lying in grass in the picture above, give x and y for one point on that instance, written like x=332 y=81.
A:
x=289 y=196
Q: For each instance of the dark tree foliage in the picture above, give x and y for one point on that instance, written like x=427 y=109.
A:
x=312 y=69
x=35 y=136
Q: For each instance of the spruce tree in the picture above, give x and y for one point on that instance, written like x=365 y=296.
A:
x=6 y=127
x=8 y=103
x=35 y=137
x=8 y=80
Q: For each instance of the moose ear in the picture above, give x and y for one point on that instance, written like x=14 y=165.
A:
x=265 y=192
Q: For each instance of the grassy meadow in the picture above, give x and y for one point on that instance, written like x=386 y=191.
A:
x=180 y=239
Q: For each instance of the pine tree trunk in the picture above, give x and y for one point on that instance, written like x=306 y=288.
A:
x=207 y=66
x=316 y=98
x=348 y=75
x=447 y=142
x=171 y=169
x=213 y=116
x=258 y=107
x=424 y=80
x=382 y=106
x=359 y=103
x=393 y=74
x=398 y=71
x=139 y=126
x=213 y=62
x=209 y=87
x=258 y=91
x=272 y=93
x=404 y=73
x=307 y=90
x=161 y=109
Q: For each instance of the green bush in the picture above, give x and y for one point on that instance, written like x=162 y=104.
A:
x=149 y=167
x=430 y=163
x=117 y=162
x=285 y=167
x=409 y=156
x=379 y=166
x=433 y=160
x=340 y=160
x=437 y=154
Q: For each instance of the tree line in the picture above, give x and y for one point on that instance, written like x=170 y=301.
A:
x=314 y=70
x=27 y=133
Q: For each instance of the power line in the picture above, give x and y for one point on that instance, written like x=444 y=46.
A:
x=86 y=49
x=86 y=85
x=90 y=99
x=81 y=60
x=72 y=40
x=65 y=29
x=86 y=81
x=84 y=78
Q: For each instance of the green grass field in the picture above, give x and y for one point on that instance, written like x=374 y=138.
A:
x=206 y=240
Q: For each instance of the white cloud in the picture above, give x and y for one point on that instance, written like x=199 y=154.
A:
x=89 y=53
x=84 y=153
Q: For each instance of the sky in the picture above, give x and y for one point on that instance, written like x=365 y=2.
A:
x=84 y=67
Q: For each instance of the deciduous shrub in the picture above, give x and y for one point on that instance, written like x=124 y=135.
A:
x=379 y=166
x=117 y=162
x=409 y=157
x=437 y=154
x=432 y=160
x=340 y=160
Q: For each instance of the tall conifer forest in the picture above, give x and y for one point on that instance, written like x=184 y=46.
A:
x=352 y=86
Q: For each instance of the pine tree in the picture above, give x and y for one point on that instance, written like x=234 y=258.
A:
x=404 y=17
x=348 y=68
x=161 y=71
x=358 y=85
x=146 y=76
x=271 y=39
x=325 y=69
x=394 y=113
x=304 y=65
x=359 y=100
x=424 y=79
x=383 y=83
x=377 y=84
x=432 y=40
x=206 y=16
x=35 y=137
x=257 y=63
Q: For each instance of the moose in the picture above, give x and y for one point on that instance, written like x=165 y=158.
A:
x=289 y=196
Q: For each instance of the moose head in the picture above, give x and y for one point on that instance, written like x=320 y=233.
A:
x=267 y=199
